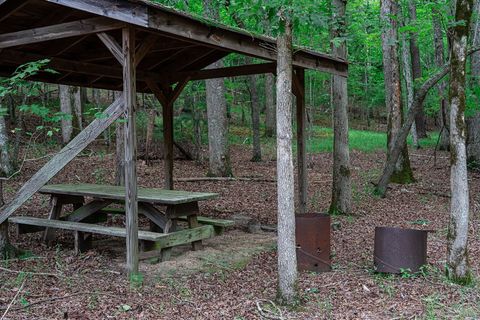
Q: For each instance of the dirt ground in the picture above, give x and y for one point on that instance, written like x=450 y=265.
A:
x=235 y=276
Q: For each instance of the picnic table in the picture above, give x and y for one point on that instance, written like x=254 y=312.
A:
x=163 y=233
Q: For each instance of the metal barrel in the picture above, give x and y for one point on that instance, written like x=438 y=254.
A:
x=399 y=249
x=313 y=242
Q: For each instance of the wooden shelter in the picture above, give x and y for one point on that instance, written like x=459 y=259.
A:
x=134 y=46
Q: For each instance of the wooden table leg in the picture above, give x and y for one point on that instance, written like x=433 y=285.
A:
x=193 y=223
x=83 y=242
x=55 y=212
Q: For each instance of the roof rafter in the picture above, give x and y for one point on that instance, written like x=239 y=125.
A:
x=59 y=31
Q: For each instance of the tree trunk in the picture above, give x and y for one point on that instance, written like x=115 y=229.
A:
x=78 y=106
x=119 y=149
x=439 y=62
x=219 y=159
x=270 y=113
x=458 y=268
x=149 y=138
x=255 y=105
x=473 y=142
x=197 y=129
x=475 y=58
x=287 y=259
x=5 y=160
x=393 y=94
x=66 y=109
x=342 y=186
x=409 y=85
x=420 y=123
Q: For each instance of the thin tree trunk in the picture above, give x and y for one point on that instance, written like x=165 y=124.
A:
x=149 y=137
x=409 y=85
x=442 y=89
x=287 y=259
x=197 y=129
x=458 y=268
x=342 y=185
x=78 y=106
x=420 y=123
x=270 y=114
x=255 y=107
x=475 y=58
x=393 y=95
x=66 y=109
x=5 y=160
x=219 y=159
x=119 y=149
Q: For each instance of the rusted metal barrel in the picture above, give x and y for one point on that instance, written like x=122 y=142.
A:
x=313 y=242
x=397 y=249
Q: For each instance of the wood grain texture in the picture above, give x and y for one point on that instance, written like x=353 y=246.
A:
x=60 y=31
x=151 y=195
x=130 y=143
x=61 y=159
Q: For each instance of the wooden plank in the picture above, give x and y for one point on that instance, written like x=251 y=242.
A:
x=87 y=210
x=211 y=221
x=60 y=31
x=121 y=10
x=145 y=48
x=156 y=216
x=299 y=75
x=130 y=143
x=112 y=45
x=61 y=159
x=226 y=72
x=55 y=212
x=180 y=26
x=79 y=67
x=9 y=8
x=84 y=227
x=151 y=195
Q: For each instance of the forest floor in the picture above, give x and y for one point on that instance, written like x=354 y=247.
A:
x=236 y=272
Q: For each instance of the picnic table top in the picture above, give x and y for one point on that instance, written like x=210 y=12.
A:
x=159 y=196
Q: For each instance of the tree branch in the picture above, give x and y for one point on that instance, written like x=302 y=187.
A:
x=401 y=138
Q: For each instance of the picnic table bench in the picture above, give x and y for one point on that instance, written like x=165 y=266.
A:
x=163 y=234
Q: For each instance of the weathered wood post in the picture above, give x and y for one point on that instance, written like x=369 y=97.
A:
x=301 y=142
x=131 y=204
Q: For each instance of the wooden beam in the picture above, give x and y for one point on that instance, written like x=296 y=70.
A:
x=59 y=31
x=112 y=46
x=145 y=48
x=61 y=159
x=226 y=72
x=131 y=189
x=180 y=26
x=9 y=7
x=299 y=78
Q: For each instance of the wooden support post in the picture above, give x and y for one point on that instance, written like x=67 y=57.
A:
x=301 y=141
x=131 y=196
x=4 y=241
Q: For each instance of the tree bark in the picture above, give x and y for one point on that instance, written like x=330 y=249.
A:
x=442 y=89
x=78 y=106
x=119 y=148
x=270 y=114
x=287 y=259
x=393 y=95
x=342 y=186
x=66 y=109
x=255 y=105
x=420 y=123
x=409 y=82
x=5 y=160
x=475 y=58
x=473 y=142
x=219 y=159
x=458 y=268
